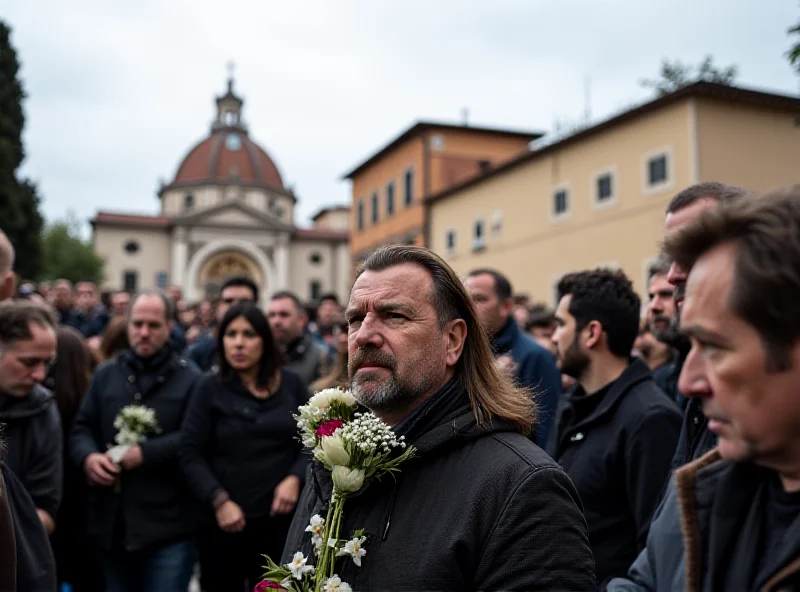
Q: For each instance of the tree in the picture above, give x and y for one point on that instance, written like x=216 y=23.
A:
x=67 y=255
x=794 y=52
x=20 y=218
x=675 y=75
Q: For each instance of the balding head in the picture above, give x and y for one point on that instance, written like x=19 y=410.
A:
x=6 y=267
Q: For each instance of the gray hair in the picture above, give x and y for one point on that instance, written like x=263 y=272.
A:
x=16 y=317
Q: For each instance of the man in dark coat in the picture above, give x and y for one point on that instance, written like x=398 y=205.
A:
x=531 y=366
x=617 y=433
x=481 y=507
x=142 y=515
x=32 y=425
x=732 y=520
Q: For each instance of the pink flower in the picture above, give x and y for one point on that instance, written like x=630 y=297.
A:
x=329 y=428
x=267 y=585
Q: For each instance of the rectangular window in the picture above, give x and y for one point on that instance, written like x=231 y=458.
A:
x=361 y=214
x=390 y=198
x=657 y=171
x=162 y=279
x=605 y=190
x=409 y=187
x=130 y=281
x=451 y=240
x=478 y=235
x=315 y=290
x=560 y=202
x=375 y=215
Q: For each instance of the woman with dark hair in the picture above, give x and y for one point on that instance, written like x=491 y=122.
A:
x=68 y=379
x=115 y=339
x=240 y=454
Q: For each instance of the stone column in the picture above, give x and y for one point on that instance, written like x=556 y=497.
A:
x=180 y=254
x=281 y=263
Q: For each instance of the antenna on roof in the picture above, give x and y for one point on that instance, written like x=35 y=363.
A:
x=465 y=116
x=587 y=89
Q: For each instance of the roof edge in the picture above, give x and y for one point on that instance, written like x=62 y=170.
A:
x=700 y=89
x=423 y=125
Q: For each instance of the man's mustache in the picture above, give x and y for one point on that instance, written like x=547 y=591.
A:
x=373 y=357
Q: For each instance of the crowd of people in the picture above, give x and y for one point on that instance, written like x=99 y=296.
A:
x=584 y=447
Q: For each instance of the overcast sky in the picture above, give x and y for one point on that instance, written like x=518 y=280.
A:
x=119 y=91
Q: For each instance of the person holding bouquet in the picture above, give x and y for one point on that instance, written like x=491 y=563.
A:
x=240 y=454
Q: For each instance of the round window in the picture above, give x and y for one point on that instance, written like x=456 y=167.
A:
x=315 y=258
x=131 y=247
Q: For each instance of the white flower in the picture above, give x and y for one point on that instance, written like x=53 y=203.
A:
x=354 y=549
x=347 y=480
x=335 y=584
x=316 y=527
x=323 y=400
x=298 y=566
x=331 y=452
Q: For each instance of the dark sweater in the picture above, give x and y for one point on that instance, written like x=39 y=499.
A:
x=232 y=441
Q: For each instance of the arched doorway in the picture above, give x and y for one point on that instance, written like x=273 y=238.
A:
x=223 y=265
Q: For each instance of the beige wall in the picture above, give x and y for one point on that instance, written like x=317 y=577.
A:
x=334 y=220
x=153 y=255
x=526 y=242
x=206 y=197
x=757 y=149
x=302 y=272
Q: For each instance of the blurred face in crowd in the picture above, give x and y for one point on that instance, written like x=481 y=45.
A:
x=186 y=314
x=674 y=222
x=25 y=362
x=328 y=313
x=230 y=296
x=492 y=312
x=206 y=313
x=661 y=312
x=398 y=354
x=544 y=337
x=339 y=337
x=753 y=409
x=243 y=346
x=119 y=303
x=86 y=296
x=175 y=294
x=652 y=351
x=572 y=358
x=148 y=328
x=286 y=320
x=521 y=315
x=63 y=296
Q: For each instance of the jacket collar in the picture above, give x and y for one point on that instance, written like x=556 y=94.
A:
x=636 y=372
x=147 y=365
x=724 y=493
x=505 y=338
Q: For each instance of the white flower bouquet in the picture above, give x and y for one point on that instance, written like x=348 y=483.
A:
x=134 y=424
x=356 y=447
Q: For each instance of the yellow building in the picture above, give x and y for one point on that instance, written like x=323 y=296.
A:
x=390 y=188
x=597 y=198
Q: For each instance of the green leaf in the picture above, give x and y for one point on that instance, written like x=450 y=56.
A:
x=358 y=533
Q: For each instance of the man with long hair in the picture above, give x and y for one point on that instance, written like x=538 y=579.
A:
x=481 y=507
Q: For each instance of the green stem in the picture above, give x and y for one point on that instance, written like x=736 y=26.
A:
x=323 y=559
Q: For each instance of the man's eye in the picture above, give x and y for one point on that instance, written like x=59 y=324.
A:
x=396 y=315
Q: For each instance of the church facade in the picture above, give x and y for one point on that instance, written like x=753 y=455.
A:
x=226 y=212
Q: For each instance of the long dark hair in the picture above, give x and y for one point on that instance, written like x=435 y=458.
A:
x=69 y=377
x=270 y=355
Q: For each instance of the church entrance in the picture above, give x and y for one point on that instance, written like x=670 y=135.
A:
x=223 y=265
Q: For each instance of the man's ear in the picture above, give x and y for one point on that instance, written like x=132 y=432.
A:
x=456 y=334
x=594 y=333
x=507 y=307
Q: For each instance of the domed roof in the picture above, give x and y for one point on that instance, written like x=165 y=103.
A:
x=228 y=153
x=225 y=155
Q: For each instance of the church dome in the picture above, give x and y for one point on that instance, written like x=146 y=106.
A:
x=228 y=153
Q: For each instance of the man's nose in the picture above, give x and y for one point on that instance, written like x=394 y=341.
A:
x=39 y=372
x=368 y=333
x=693 y=381
x=676 y=274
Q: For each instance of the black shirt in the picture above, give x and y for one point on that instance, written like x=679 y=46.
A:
x=780 y=508
x=235 y=442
